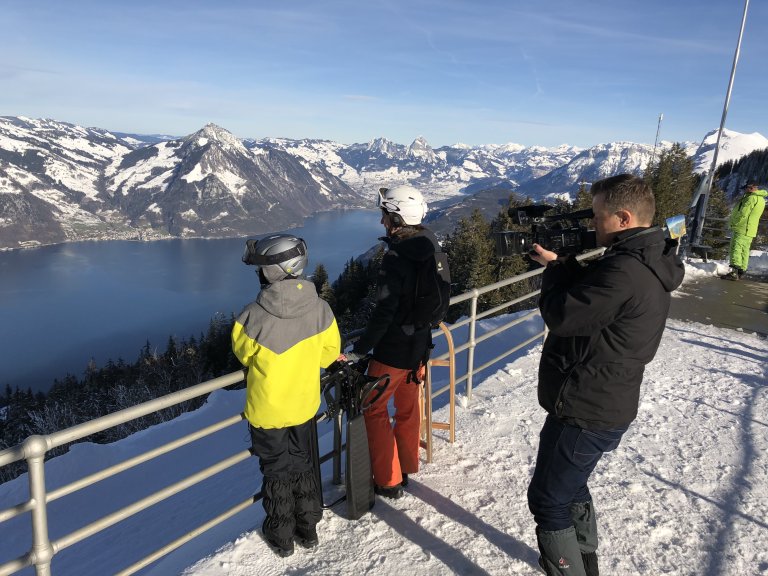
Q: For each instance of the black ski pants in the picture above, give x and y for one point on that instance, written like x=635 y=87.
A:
x=290 y=494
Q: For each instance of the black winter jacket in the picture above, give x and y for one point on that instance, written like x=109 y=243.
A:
x=605 y=320
x=390 y=331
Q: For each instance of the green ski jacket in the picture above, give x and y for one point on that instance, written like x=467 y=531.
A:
x=746 y=214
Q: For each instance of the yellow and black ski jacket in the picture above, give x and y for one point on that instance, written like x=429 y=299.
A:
x=284 y=337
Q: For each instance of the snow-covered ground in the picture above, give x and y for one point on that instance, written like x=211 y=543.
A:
x=685 y=493
x=695 y=269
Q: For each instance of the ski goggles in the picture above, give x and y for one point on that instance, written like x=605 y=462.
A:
x=252 y=257
x=383 y=204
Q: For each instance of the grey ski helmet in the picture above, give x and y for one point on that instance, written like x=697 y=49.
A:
x=277 y=256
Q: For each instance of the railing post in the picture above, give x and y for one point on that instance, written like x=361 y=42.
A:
x=426 y=393
x=337 y=449
x=472 y=343
x=35 y=448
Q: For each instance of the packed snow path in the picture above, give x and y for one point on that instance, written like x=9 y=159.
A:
x=685 y=493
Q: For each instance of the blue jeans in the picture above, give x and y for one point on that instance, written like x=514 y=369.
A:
x=567 y=455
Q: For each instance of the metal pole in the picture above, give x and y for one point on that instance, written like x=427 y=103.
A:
x=472 y=343
x=655 y=143
x=337 y=448
x=42 y=550
x=701 y=206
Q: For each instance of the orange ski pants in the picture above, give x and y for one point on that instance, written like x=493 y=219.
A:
x=394 y=449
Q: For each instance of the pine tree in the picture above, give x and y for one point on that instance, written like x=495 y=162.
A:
x=171 y=351
x=7 y=397
x=562 y=205
x=716 y=236
x=673 y=183
x=471 y=255
x=350 y=288
x=327 y=294
x=319 y=277
x=583 y=197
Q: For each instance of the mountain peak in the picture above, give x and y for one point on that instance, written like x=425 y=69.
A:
x=419 y=148
x=382 y=145
x=218 y=134
x=733 y=145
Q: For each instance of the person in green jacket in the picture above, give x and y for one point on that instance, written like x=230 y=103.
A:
x=283 y=338
x=743 y=224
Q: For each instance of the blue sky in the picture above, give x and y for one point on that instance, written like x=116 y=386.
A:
x=536 y=73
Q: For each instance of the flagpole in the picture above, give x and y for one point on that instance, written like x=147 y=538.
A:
x=655 y=142
x=703 y=193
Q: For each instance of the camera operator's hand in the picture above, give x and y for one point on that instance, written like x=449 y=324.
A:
x=541 y=255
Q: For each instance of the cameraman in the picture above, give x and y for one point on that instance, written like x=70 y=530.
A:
x=605 y=322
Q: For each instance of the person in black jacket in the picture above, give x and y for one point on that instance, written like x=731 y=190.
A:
x=605 y=322
x=399 y=347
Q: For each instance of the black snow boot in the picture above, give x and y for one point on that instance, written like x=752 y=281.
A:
x=560 y=554
x=585 y=522
x=732 y=275
x=282 y=549
x=308 y=508
x=306 y=537
x=393 y=492
x=590 y=564
x=279 y=524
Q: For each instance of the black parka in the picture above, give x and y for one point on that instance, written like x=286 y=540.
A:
x=605 y=320
x=390 y=332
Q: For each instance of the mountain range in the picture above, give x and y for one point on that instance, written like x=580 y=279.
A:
x=62 y=182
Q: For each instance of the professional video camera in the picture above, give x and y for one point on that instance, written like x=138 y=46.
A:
x=561 y=233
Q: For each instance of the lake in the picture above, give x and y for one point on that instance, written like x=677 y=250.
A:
x=62 y=305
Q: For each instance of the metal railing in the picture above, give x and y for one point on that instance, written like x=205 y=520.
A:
x=34 y=448
x=719 y=227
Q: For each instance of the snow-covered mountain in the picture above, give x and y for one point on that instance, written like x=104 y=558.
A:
x=593 y=164
x=62 y=182
x=210 y=184
x=50 y=178
x=606 y=160
x=733 y=145
x=440 y=172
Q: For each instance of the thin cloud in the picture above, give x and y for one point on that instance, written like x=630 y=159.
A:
x=14 y=71
x=359 y=97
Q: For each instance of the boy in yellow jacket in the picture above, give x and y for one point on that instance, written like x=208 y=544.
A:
x=283 y=338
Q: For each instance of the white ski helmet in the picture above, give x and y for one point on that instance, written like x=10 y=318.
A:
x=277 y=256
x=405 y=202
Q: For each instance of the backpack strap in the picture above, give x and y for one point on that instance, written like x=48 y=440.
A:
x=413 y=375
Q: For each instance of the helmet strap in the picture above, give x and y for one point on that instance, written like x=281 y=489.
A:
x=397 y=220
